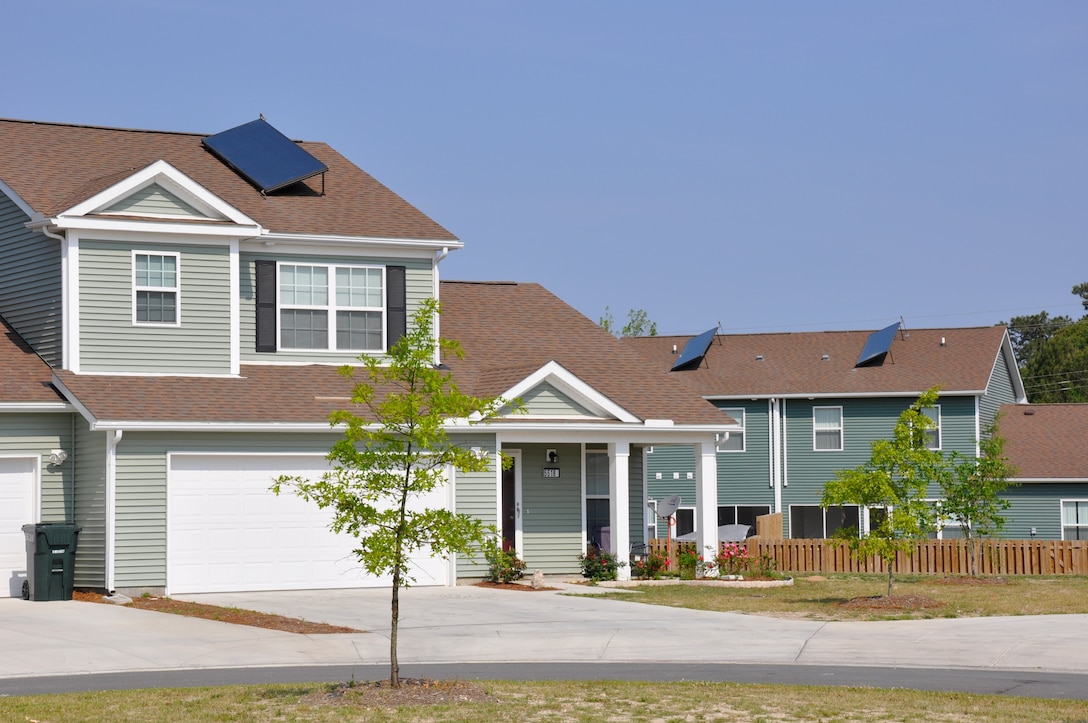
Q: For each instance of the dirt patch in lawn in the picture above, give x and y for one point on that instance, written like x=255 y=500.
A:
x=235 y=616
x=892 y=602
x=969 y=581
x=412 y=691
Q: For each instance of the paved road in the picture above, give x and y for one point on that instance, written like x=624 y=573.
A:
x=476 y=632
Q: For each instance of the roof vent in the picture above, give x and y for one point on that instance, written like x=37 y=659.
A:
x=759 y=357
x=825 y=357
x=942 y=342
x=1029 y=412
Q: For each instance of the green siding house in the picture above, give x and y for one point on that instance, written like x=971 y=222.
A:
x=173 y=330
x=809 y=404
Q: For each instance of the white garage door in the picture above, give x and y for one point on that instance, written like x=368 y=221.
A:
x=16 y=510
x=227 y=532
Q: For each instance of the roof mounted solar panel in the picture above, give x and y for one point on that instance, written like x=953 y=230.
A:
x=694 y=351
x=877 y=346
x=264 y=156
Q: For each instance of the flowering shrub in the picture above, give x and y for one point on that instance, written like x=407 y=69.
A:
x=598 y=565
x=503 y=565
x=732 y=559
x=689 y=561
x=651 y=567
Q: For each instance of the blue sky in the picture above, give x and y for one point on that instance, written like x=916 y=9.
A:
x=785 y=166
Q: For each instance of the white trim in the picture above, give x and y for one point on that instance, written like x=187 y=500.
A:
x=165 y=175
x=331 y=307
x=838 y=395
x=311 y=243
x=18 y=201
x=112 y=440
x=70 y=301
x=519 y=520
x=235 y=309
x=569 y=384
x=175 y=289
x=36 y=488
x=17 y=407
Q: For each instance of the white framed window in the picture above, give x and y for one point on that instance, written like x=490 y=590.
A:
x=331 y=307
x=742 y=515
x=598 y=515
x=1075 y=519
x=733 y=439
x=809 y=522
x=685 y=521
x=827 y=429
x=156 y=288
x=947 y=528
x=933 y=434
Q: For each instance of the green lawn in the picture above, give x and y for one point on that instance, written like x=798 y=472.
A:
x=550 y=701
x=829 y=597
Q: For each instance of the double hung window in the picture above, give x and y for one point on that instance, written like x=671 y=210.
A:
x=734 y=442
x=331 y=307
x=156 y=288
x=827 y=429
x=1075 y=519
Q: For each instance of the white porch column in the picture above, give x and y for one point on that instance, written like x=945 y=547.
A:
x=706 y=496
x=619 y=511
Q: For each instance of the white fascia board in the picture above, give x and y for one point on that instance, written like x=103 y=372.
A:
x=17 y=407
x=18 y=201
x=149 y=229
x=1006 y=352
x=310 y=242
x=67 y=394
x=225 y=427
x=840 y=395
x=1048 y=480
x=610 y=433
x=173 y=180
x=559 y=377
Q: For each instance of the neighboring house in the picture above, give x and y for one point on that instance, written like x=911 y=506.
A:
x=175 y=320
x=809 y=404
x=1048 y=444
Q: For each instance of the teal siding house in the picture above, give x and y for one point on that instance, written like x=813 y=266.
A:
x=175 y=307
x=809 y=404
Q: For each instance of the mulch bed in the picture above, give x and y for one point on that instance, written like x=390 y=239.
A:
x=512 y=586
x=235 y=616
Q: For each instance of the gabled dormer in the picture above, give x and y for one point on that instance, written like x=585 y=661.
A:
x=554 y=393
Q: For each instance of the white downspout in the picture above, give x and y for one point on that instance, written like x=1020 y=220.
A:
x=776 y=453
x=437 y=331
x=113 y=438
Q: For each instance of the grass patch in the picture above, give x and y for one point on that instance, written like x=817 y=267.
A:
x=829 y=597
x=548 y=701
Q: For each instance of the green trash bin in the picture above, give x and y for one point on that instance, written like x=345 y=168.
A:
x=50 y=560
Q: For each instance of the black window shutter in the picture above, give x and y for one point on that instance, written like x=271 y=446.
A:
x=396 y=304
x=266 y=305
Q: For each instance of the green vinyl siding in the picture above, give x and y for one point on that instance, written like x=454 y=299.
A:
x=476 y=495
x=1038 y=505
x=999 y=391
x=546 y=400
x=90 y=506
x=36 y=435
x=552 y=509
x=30 y=282
x=154 y=200
x=636 y=502
x=419 y=283
x=744 y=477
x=676 y=466
x=140 y=541
x=110 y=341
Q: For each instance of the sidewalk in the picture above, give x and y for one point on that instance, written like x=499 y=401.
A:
x=471 y=624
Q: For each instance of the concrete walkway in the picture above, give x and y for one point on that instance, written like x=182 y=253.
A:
x=478 y=625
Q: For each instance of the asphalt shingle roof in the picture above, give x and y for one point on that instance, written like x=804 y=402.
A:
x=24 y=376
x=53 y=166
x=794 y=364
x=1046 y=441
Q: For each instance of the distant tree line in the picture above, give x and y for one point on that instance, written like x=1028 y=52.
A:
x=1053 y=354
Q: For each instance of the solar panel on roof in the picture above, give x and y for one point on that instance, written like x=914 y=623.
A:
x=694 y=350
x=264 y=156
x=877 y=346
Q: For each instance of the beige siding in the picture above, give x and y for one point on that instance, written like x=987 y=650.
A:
x=546 y=400
x=552 y=509
x=111 y=342
x=476 y=495
x=90 y=506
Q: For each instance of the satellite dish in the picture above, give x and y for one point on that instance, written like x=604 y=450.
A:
x=668 y=506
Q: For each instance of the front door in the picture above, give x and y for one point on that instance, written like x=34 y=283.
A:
x=509 y=509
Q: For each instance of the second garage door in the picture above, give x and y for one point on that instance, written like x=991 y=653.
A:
x=227 y=532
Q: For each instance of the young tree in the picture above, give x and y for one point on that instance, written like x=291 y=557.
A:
x=398 y=450
x=972 y=492
x=896 y=479
x=638 y=323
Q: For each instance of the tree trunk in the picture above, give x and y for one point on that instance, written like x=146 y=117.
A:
x=394 y=665
x=891 y=569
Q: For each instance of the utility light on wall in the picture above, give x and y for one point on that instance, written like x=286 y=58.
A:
x=57 y=457
x=479 y=452
x=552 y=456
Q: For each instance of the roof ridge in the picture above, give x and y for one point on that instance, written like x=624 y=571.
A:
x=101 y=128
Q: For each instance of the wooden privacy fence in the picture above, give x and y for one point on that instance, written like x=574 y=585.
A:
x=931 y=557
